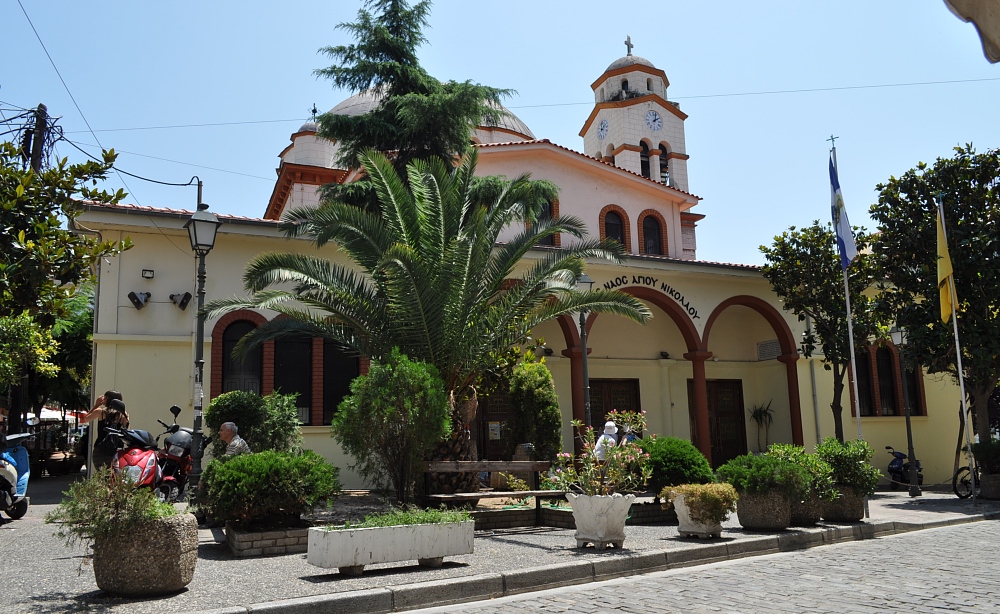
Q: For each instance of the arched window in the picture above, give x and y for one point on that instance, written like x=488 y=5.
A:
x=293 y=371
x=664 y=164
x=624 y=85
x=651 y=236
x=649 y=85
x=614 y=227
x=339 y=370
x=602 y=95
x=546 y=214
x=886 y=381
x=644 y=160
x=240 y=373
x=866 y=406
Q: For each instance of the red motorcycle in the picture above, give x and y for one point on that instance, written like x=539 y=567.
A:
x=174 y=459
x=136 y=457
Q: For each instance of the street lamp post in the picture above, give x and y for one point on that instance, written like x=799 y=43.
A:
x=585 y=280
x=201 y=229
x=899 y=340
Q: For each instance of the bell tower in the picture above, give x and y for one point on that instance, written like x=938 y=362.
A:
x=633 y=124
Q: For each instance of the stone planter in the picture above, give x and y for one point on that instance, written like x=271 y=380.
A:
x=349 y=550
x=807 y=513
x=600 y=519
x=849 y=507
x=689 y=527
x=990 y=488
x=764 y=511
x=157 y=559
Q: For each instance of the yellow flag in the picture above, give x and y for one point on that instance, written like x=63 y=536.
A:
x=945 y=273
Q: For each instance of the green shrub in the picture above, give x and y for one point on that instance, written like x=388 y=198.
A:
x=675 y=461
x=821 y=484
x=765 y=474
x=393 y=417
x=707 y=503
x=849 y=460
x=266 y=423
x=406 y=516
x=104 y=508
x=267 y=487
x=534 y=407
x=987 y=454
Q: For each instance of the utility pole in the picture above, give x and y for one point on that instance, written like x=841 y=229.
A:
x=38 y=137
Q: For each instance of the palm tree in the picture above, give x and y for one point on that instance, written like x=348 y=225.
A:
x=430 y=276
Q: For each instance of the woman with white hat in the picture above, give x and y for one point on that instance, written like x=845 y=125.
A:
x=606 y=441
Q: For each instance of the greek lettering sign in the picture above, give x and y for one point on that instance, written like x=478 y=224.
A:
x=656 y=284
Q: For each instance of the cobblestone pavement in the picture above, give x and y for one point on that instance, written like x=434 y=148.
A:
x=952 y=569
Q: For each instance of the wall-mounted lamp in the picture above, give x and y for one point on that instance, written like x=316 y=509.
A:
x=181 y=300
x=147 y=273
x=664 y=355
x=549 y=351
x=140 y=299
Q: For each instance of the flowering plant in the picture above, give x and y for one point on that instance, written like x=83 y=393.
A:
x=625 y=467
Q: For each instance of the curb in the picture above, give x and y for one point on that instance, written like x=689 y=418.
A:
x=488 y=586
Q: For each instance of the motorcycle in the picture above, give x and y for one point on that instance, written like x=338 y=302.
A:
x=14 y=472
x=136 y=457
x=899 y=469
x=174 y=459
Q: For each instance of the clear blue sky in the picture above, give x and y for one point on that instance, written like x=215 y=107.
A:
x=758 y=161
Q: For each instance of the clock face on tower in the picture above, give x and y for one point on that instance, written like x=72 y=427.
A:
x=653 y=120
x=602 y=129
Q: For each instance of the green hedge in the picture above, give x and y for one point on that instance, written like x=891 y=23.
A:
x=267 y=486
x=850 y=462
x=766 y=474
x=675 y=461
x=266 y=423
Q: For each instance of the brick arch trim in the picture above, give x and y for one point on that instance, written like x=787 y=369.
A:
x=557 y=238
x=240 y=315
x=665 y=246
x=625 y=222
x=785 y=337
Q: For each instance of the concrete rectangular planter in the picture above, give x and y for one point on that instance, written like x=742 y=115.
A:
x=349 y=550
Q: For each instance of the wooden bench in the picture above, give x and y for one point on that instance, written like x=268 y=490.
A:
x=535 y=468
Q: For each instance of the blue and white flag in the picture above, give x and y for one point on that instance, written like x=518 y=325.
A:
x=841 y=226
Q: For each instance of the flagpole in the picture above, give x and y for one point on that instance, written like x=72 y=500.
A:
x=855 y=409
x=958 y=355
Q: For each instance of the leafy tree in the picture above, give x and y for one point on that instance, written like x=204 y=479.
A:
x=43 y=265
x=417 y=116
x=534 y=405
x=393 y=417
x=70 y=387
x=266 y=423
x=803 y=266
x=24 y=345
x=906 y=248
x=427 y=274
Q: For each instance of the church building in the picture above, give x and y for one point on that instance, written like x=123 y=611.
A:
x=718 y=345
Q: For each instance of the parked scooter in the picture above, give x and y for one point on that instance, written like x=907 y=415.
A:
x=136 y=457
x=899 y=469
x=14 y=472
x=174 y=459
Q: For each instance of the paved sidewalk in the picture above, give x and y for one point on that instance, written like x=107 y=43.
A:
x=41 y=575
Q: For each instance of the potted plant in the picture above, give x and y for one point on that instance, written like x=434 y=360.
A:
x=426 y=536
x=820 y=489
x=674 y=461
x=854 y=477
x=127 y=525
x=767 y=486
x=600 y=491
x=987 y=455
x=701 y=508
x=763 y=417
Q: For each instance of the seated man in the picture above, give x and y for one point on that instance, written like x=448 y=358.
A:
x=234 y=443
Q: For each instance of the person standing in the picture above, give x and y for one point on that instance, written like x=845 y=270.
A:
x=109 y=410
x=235 y=444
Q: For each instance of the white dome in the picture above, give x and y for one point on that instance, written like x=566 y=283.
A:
x=629 y=60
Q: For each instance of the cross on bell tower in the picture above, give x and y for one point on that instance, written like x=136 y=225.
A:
x=628 y=44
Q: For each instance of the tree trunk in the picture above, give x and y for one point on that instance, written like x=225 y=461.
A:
x=836 y=406
x=981 y=410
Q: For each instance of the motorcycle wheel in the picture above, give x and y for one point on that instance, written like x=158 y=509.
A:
x=165 y=493
x=894 y=481
x=18 y=510
x=961 y=483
